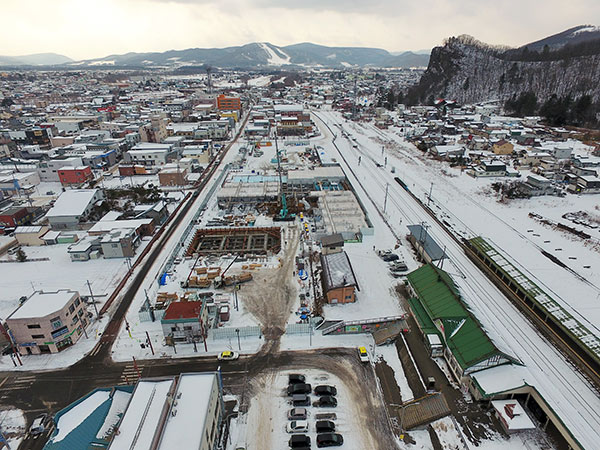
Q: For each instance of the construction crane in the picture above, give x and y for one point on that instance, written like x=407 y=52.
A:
x=284 y=214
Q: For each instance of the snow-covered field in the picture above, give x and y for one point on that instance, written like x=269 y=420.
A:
x=58 y=272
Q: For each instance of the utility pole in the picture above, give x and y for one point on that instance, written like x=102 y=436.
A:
x=93 y=301
x=149 y=342
x=430 y=191
x=387 y=185
x=237 y=331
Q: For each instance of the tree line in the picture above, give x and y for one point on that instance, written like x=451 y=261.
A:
x=556 y=111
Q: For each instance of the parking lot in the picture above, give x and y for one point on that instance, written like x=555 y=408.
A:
x=267 y=416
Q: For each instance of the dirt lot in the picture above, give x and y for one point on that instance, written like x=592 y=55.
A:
x=271 y=295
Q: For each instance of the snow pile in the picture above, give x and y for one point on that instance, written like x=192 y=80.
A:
x=119 y=403
x=12 y=425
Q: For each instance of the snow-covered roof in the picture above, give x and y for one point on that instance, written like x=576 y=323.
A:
x=42 y=304
x=185 y=428
x=142 y=417
x=513 y=415
x=108 y=225
x=337 y=271
x=72 y=203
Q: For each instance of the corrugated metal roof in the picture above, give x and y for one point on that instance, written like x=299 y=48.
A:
x=462 y=332
x=431 y=247
x=337 y=271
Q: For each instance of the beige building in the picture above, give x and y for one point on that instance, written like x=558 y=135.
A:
x=172 y=176
x=48 y=322
x=31 y=235
x=503 y=147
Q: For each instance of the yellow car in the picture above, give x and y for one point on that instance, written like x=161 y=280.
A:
x=363 y=354
x=228 y=356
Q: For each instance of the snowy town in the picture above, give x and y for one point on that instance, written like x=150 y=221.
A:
x=304 y=256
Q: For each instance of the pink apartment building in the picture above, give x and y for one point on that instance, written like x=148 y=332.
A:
x=48 y=322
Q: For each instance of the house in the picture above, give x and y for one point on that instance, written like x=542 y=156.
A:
x=15 y=183
x=448 y=151
x=502 y=147
x=185 y=321
x=48 y=170
x=119 y=243
x=489 y=168
x=73 y=207
x=157 y=212
x=339 y=282
x=332 y=243
x=14 y=216
x=172 y=176
x=31 y=235
x=48 y=322
x=585 y=184
x=151 y=154
x=87 y=248
x=538 y=185
x=75 y=176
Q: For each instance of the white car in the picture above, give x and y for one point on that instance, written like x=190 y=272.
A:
x=297 y=426
x=228 y=356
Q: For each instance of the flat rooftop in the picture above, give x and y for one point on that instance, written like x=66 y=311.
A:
x=41 y=304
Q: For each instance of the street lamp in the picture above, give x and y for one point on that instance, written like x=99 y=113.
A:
x=237 y=330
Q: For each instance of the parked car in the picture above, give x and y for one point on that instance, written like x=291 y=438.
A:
x=329 y=440
x=398 y=266
x=294 y=378
x=363 y=354
x=297 y=414
x=327 y=401
x=325 y=389
x=300 y=442
x=299 y=388
x=390 y=257
x=228 y=356
x=326 y=416
x=298 y=426
x=38 y=426
x=325 y=426
x=301 y=400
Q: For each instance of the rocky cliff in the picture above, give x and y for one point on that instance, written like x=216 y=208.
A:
x=469 y=71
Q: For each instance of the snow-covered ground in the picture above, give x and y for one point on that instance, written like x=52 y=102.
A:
x=59 y=272
x=12 y=426
x=267 y=415
x=562 y=387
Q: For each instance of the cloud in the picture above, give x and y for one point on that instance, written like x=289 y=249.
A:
x=103 y=27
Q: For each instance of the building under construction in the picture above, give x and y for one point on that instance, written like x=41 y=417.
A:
x=241 y=241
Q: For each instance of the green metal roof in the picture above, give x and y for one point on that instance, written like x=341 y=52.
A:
x=422 y=317
x=441 y=301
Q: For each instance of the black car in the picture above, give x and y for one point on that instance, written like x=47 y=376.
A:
x=300 y=442
x=301 y=400
x=329 y=440
x=325 y=389
x=295 y=378
x=325 y=426
x=299 y=388
x=390 y=257
x=327 y=400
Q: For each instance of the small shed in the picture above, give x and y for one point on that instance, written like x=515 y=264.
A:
x=332 y=243
x=512 y=416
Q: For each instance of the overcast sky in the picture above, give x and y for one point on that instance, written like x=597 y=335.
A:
x=84 y=29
